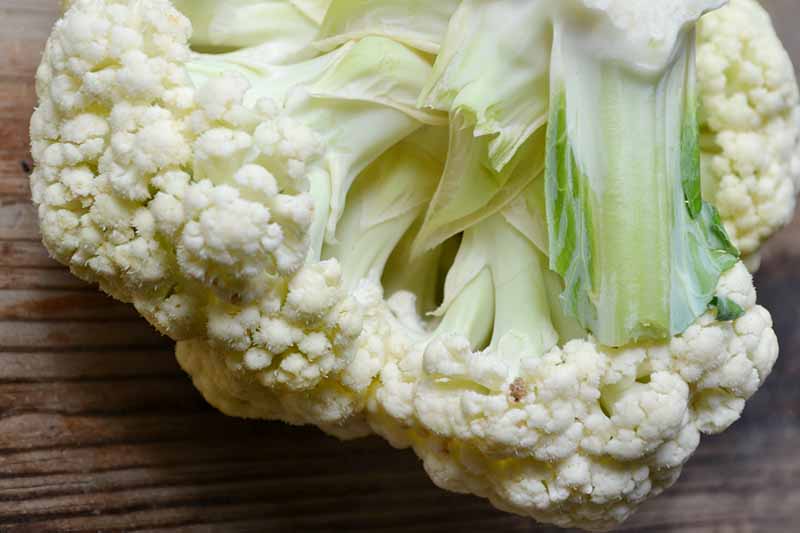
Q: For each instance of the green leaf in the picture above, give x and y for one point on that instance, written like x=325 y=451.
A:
x=276 y=31
x=420 y=24
x=727 y=309
x=470 y=190
x=690 y=159
x=569 y=216
x=493 y=67
x=527 y=214
x=516 y=290
x=362 y=106
x=380 y=70
x=313 y=9
x=382 y=205
x=639 y=251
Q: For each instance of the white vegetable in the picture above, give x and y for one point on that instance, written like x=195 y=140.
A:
x=473 y=227
x=751 y=123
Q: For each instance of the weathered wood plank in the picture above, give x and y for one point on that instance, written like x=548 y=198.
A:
x=101 y=431
x=52 y=431
x=26 y=26
x=26 y=254
x=40 y=278
x=13 y=182
x=44 y=367
x=16 y=97
x=18 y=220
x=21 y=335
x=100 y=398
x=62 y=305
x=14 y=132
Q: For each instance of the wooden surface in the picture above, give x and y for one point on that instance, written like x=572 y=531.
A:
x=100 y=430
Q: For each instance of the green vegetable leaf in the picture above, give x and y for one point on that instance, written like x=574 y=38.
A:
x=470 y=190
x=690 y=160
x=276 y=31
x=639 y=251
x=420 y=24
x=382 y=205
x=382 y=71
x=493 y=67
x=727 y=309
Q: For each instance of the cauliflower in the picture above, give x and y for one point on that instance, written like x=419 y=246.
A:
x=569 y=432
x=324 y=367
x=186 y=183
x=750 y=123
x=470 y=227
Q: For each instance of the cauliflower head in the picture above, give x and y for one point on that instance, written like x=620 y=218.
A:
x=200 y=186
x=381 y=218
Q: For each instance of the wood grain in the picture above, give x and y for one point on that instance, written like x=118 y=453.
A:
x=100 y=430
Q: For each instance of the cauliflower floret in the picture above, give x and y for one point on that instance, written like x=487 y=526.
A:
x=328 y=332
x=228 y=241
x=292 y=340
x=201 y=191
x=315 y=368
x=581 y=435
x=149 y=186
x=179 y=181
x=751 y=122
